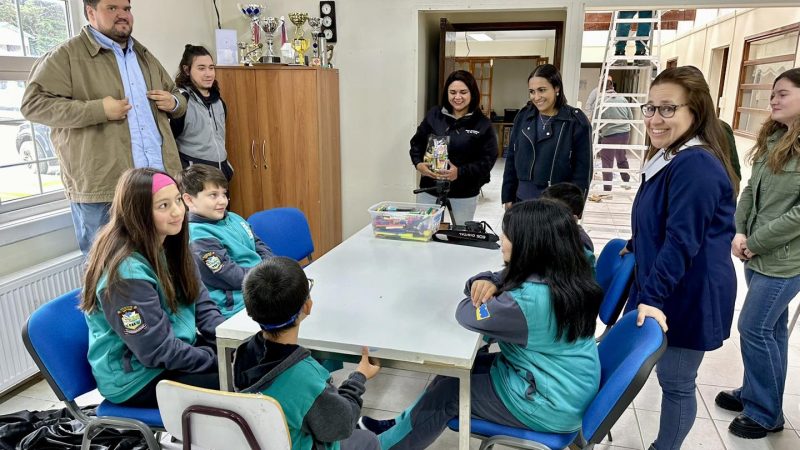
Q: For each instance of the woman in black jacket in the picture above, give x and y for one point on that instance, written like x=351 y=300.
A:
x=471 y=150
x=550 y=142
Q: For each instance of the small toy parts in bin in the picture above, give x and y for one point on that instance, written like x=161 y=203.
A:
x=406 y=221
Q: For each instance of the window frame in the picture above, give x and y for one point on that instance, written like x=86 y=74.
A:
x=743 y=87
x=15 y=68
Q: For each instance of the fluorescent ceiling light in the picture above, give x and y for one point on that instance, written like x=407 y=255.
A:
x=483 y=37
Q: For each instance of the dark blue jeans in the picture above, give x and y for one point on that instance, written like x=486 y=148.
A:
x=642 y=30
x=87 y=218
x=764 y=339
x=677 y=372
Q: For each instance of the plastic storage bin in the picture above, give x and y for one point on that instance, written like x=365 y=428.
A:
x=406 y=221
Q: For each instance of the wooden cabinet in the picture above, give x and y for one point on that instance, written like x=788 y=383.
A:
x=282 y=137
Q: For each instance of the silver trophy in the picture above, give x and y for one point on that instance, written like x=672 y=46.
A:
x=269 y=25
x=316 y=30
x=250 y=52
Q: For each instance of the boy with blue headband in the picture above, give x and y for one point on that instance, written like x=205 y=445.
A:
x=277 y=296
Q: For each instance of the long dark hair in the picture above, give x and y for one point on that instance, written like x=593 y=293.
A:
x=545 y=241
x=474 y=92
x=131 y=229
x=550 y=73
x=705 y=123
x=190 y=52
x=788 y=146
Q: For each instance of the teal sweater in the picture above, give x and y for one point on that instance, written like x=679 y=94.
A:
x=225 y=250
x=545 y=382
x=134 y=336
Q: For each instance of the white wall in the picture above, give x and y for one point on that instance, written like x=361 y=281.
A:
x=381 y=85
x=509 y=83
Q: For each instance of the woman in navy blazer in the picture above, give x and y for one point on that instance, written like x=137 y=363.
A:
x=683 y=224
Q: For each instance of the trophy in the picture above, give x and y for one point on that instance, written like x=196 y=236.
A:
x=316 y=30
x=269 y=25
x=299 y=43
x=250 y=52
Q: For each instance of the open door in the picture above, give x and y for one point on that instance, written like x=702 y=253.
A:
x=447 y=51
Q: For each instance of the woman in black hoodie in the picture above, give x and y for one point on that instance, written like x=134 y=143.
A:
x=471 y=149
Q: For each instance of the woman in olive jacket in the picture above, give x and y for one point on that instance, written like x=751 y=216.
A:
x=550 y=142
x=768 y=241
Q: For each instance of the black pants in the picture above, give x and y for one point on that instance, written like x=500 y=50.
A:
x=224 y=166
x=146 y=397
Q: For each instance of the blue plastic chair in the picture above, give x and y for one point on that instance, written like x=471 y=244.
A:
x=285 y=231
x=57 y=338
x=627 y=356
x=614 y=274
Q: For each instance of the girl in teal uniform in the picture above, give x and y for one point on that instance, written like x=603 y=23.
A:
x=541 y=309
x=143 y=299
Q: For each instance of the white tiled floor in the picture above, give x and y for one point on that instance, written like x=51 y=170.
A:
x=393 y=390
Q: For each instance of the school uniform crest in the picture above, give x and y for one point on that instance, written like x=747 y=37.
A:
x=212 y=261
x=482 y=312
x=132 y=321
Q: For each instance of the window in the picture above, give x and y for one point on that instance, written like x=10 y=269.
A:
x=29 y=170
x=765 y=56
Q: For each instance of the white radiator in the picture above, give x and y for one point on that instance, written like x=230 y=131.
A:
x=22 y=293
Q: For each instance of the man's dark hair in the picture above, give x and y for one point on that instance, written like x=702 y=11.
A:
x=194 y=179
x=567 y=193
x=274 y=291
x=92 y=3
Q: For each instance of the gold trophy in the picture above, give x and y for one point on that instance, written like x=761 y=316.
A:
x=299 y=43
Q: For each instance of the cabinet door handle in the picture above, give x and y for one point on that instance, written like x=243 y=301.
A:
x=263 y=154
x=253 y=153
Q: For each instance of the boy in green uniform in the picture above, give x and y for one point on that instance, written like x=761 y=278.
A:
x=277 y=296
x=222 y=242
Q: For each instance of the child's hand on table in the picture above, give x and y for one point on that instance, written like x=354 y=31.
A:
x=369 y=367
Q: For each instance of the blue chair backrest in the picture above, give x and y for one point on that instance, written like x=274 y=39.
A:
x=57 y=337
x=614 y=275
x=285 y=231
x=627 y=356
x=608 y=262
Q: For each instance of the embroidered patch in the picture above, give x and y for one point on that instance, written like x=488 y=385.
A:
x=212 y=261
x=132 y=321
x=482 y=312
x=247 y=229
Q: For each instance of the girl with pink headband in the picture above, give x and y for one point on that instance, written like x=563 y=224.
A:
x=143 y=298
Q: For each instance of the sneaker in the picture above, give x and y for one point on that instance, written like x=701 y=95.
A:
x=374 y=425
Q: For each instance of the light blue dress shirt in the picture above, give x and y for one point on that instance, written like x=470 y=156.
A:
x=145 y=137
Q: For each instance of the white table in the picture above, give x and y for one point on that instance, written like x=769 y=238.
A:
x=398 y=298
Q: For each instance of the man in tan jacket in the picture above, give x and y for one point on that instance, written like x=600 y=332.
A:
x=107 y=100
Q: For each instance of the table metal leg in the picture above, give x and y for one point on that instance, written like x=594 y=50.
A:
x=224 y=361
x=464 y=410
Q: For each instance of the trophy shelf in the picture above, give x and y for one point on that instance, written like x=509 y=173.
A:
x=282 y=138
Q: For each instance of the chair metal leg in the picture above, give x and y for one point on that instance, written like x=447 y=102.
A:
x=512 y=442
x=95 y=426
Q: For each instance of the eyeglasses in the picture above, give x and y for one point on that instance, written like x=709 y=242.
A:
x=310 y=284
x=666 y=111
